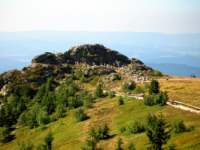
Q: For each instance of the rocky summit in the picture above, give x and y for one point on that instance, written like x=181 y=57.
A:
x=95 y=54
x=91 y=60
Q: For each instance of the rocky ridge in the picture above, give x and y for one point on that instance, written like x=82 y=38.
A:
x=95 y=54
x=94 y=60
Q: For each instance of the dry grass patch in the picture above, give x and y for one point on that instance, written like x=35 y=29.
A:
x=182 y=89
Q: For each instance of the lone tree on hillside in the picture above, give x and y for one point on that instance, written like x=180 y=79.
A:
x=157 y=131
x=48 y=141
x=99 y=91
x=154 y=87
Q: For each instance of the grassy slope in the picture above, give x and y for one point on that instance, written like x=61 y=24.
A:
x=70 y=135
x=183 y=89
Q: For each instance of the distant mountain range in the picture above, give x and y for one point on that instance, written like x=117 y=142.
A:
x=171 y=53
x=177 y=69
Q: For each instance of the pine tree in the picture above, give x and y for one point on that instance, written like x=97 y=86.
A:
x=49 y=102
x=99 y=90
x=154 y=87
x=157 y=131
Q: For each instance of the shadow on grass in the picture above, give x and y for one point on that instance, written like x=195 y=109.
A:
x=8 y=139
x=110 y=137
x=79 y=120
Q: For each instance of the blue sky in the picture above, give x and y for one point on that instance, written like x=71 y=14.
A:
x=167 y=16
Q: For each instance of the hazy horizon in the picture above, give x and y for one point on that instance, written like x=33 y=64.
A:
x=18 y=48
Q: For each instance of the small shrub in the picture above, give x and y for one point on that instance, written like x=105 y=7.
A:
x=4 y=134
x=179 y=126
x=48 y=140
x=42 y=117
x=111 y=94
x=100 y=133
x=91 y=144
x=122 y=129
x=154 y=99
x=59 y=113
x=162 y=98
x=103 y=132
x=139 y=89
x=129 y=86
x=77 y=75
x=83 y=79
x=99 y=91
x=72 y=89
x=93 y=134
x=131 y=146
x=41 y=147
x=119 y=144
x=26 y=146
x=88 y=101
x=74 y=102
x=92 y=140
x=171 y=147
x=149 y=100
x=80 y=115
x=120 y=101
x=136 y=127
x=42 y=128
x=33 y=117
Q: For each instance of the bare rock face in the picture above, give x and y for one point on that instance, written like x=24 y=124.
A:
x=137 y=65
x=89 y=54
x=9 y=76
x=96 y=55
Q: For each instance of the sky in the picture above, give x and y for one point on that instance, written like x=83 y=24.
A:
x=166 y=16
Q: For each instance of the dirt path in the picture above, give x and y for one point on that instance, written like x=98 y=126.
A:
x=172 y=103
x=183 y=106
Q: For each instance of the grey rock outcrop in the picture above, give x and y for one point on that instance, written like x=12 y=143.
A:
x=46 y=58
x=95 y=54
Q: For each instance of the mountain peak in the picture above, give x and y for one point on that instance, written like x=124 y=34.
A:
x=92 y=54
x=99 y=60
x=97 y=54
